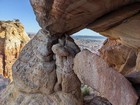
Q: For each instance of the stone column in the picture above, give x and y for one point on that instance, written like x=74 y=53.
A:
x=67 y=81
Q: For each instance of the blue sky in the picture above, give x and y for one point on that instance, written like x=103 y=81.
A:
x=22 y=10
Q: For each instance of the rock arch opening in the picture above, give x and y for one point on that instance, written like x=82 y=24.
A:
x=51 y=67
x=88 y=39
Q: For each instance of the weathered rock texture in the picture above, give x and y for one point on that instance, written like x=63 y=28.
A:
x=43 y=73
x=125 y=33
x=93 y=71
x=96 y=100
x=122 y=58
x=69 y=16
x=3 y=83
x=119 y=56
x=12 y=40
x=41 y=78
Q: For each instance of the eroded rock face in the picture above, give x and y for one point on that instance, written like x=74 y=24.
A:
x=115 y=18
x=96 y=100
x=128 y=37
x=122 y=58
x=34 y=62
x=95 y=72
x=40 y=78
x=65 y=52
x=119 y=56
x=3 y=83
x=70 y=16
x=12 y=40
x=125 y=33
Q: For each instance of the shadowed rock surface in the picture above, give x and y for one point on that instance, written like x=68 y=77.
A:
x=96 y=100
x=69 y=16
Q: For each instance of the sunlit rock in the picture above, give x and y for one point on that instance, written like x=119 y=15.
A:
x=12 y=39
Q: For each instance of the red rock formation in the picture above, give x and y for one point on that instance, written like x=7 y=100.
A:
x=69 y=16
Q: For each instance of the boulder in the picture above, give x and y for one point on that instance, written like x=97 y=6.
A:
x=115 y=18
x=96 y=73
x=122 y=58
x=12 y=39
x=125 y=33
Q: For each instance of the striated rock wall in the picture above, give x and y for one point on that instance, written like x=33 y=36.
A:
x=12 y=40
x=70 y=16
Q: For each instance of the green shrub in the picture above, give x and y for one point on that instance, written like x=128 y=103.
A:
x=85 y=90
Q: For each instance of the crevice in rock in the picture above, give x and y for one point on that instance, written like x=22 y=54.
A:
x=4 y=64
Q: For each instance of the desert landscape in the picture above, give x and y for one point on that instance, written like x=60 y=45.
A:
x=92 y=43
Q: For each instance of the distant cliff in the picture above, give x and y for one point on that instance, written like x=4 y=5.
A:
x=12 y=39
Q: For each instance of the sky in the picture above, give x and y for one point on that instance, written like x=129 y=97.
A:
x=22 y=10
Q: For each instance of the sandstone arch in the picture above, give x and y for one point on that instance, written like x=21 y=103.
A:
x=44 y=71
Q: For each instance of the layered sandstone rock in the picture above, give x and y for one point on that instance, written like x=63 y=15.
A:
x=96 y=100
x=119 y=56
x=125 y=33
x=69 y=16
x=12 y=40
x=128 y=36
x=93 y=71
x=115 y=18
